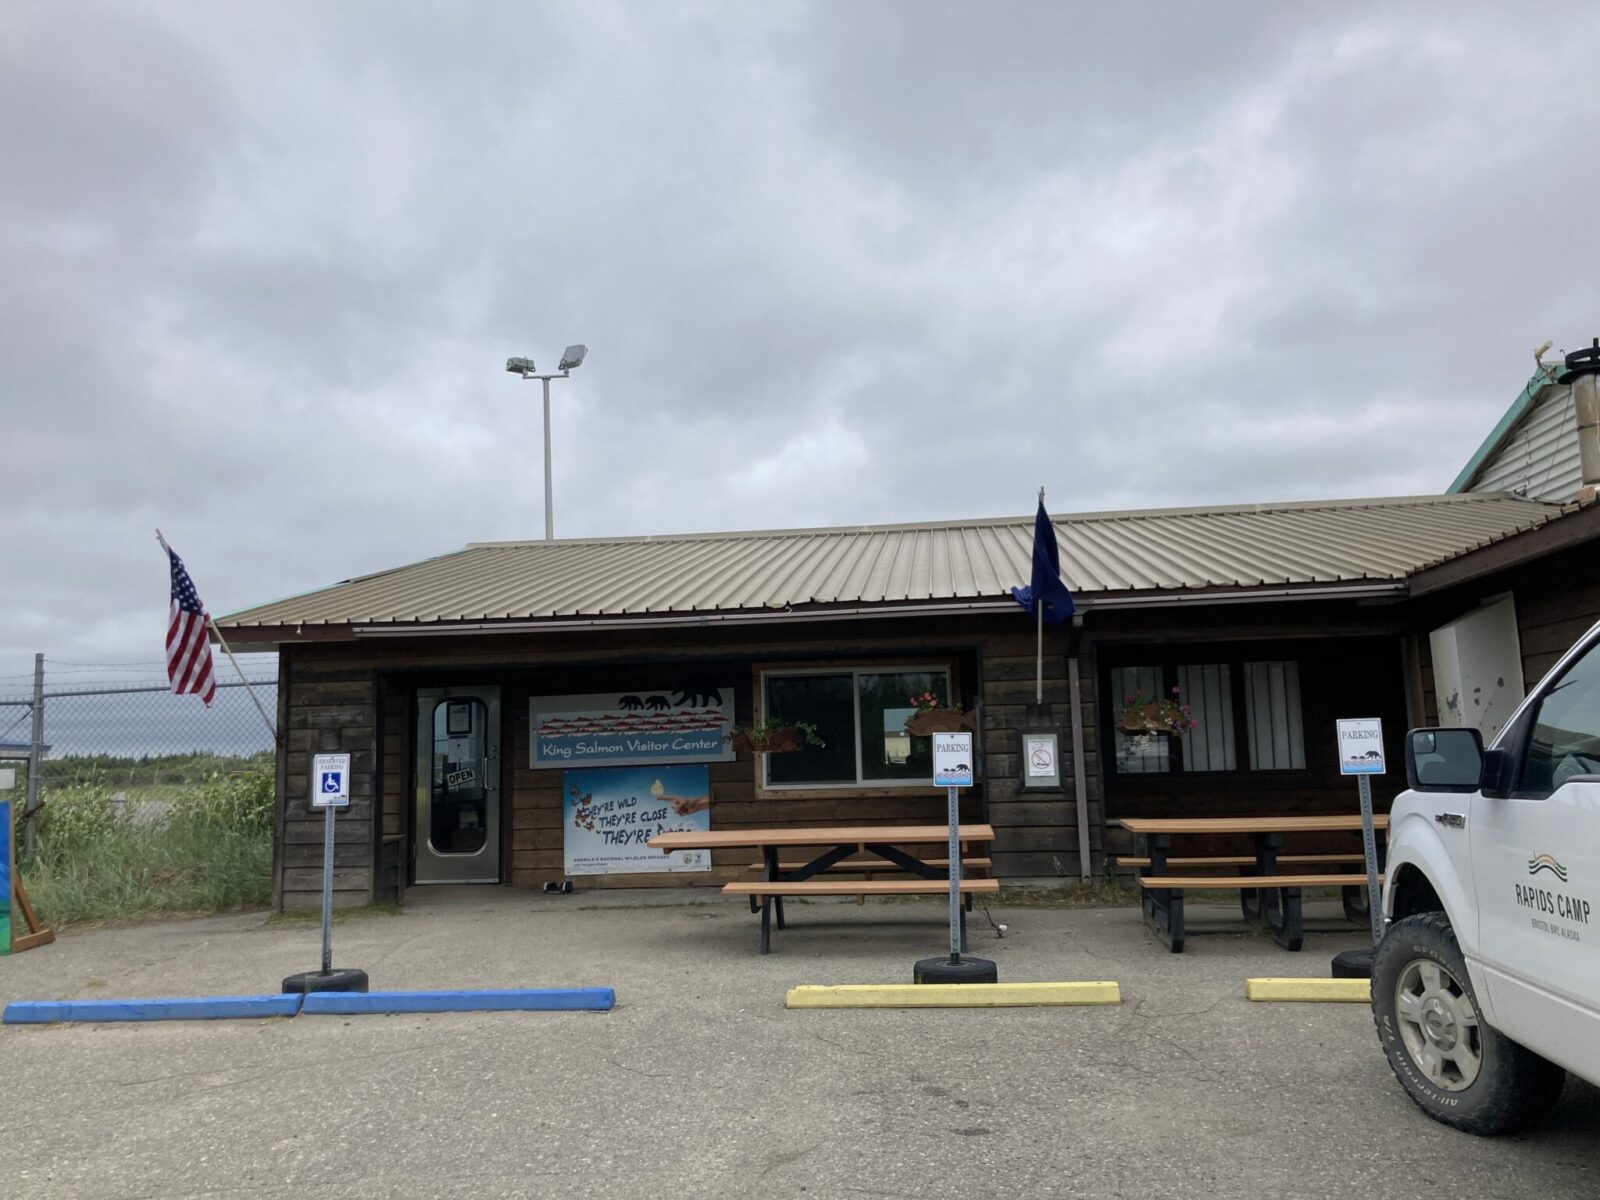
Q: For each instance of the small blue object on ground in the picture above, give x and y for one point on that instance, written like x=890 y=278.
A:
x=513 y=999
x=190 y=1008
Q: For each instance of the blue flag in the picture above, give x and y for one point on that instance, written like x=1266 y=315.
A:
x=1047 y=590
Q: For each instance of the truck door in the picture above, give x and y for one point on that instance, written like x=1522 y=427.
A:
x=1536 y=860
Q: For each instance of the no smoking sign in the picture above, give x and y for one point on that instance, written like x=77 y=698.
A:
x=1041 y=764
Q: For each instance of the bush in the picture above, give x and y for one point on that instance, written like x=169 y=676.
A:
x=241 y=801
x=202 y=847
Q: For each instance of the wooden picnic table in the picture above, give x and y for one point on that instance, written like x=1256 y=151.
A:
x=885 y=845
x=1279 y=906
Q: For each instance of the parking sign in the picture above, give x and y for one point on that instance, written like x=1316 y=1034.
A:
x=1360 y=746
x=952 y=760
x=330 y=781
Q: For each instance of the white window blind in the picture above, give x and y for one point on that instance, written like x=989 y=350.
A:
x=1272 y=709
x=1207 y=688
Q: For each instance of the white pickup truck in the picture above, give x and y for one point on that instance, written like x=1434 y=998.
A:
x=1486 y=986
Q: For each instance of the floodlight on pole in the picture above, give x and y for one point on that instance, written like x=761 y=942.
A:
x=571 y=358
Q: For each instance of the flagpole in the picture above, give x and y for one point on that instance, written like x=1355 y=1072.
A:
x=1038 y=666
x=226 y=649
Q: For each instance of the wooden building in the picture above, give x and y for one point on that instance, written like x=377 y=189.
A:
x=456 y=683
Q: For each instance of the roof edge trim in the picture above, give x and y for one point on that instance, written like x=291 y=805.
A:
x=1365 y=590
x=1543 y=377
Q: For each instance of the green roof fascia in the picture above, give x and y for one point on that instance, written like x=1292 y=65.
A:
x=1543 y=376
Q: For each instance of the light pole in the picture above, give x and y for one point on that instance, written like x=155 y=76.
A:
x=571 y=358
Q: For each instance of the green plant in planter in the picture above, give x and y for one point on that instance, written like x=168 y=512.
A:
x=773 y=735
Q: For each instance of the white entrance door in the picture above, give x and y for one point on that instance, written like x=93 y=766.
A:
x=456 y=821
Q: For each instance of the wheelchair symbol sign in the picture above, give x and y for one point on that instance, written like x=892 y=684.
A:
x=330 y=774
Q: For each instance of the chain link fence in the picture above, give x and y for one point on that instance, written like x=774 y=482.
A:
x=136 y=741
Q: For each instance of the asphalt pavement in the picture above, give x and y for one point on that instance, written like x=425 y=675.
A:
x=701 y=1084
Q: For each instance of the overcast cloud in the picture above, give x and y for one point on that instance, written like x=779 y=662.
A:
x=836 y=263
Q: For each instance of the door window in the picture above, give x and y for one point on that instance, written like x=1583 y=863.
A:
x=1565 y=738
x=458 y=816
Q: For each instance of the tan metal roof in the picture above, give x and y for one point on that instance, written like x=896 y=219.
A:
x=1153 y=551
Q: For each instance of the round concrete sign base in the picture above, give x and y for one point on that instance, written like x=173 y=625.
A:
x=341 y=979
x=966 y=970
x=1353 y=964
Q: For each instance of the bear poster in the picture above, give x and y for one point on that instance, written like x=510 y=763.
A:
x=609 y=813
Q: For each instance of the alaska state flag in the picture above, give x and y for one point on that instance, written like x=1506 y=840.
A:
x=1047 y=590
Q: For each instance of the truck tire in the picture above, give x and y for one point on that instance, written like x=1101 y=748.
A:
x=1454 y=1065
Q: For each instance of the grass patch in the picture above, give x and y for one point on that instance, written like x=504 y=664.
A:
x=313 y=916
x=1100 y=894
x=204 y=848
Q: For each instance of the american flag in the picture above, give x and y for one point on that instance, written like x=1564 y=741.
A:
x=188 y=651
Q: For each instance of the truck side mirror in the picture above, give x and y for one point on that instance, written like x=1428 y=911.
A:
x=1444 y=760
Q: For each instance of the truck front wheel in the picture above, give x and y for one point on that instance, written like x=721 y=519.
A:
x=1456 y=1067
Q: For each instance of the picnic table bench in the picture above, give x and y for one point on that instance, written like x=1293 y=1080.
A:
x=1278 y=905
x=839 y=849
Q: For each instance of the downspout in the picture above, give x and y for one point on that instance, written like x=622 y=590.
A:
x=1080 y=783
x=1583 y=373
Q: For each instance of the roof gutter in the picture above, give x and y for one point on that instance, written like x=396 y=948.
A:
x=1356 y=591
x=1543 y=376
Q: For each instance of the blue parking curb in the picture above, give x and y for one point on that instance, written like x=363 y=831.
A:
x=508 y=1000
x=179 y=1008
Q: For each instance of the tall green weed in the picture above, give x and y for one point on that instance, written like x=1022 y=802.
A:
x=207 y=847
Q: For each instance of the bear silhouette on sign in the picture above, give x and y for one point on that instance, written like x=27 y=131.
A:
x=698 y=695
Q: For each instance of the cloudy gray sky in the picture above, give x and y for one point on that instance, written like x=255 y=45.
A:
x=836 y=263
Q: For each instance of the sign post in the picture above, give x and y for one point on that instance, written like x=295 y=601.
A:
x=5 y=877
x=1361 y=755
x=330 y=791
x=952 y=770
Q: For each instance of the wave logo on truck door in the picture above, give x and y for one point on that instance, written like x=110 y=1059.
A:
x=1547 y=862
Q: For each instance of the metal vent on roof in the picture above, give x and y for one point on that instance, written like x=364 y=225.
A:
x=1581 y=362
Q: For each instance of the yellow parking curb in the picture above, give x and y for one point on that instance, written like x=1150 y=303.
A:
x=952 y=995
x=1347 y=991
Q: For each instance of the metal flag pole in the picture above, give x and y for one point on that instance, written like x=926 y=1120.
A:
x=221 y=641
x=1038 y=665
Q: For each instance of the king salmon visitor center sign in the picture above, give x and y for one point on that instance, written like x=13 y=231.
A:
x=631 y=728
x=511 y=709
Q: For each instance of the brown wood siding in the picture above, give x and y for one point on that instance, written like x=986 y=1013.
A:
x=334 y=698
x=326 y=709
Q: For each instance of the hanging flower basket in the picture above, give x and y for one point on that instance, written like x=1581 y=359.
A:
x=935 y=716
x=772 y=737
x=1144 y=717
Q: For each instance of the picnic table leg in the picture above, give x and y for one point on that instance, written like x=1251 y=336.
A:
x=766 y=924
x=1253 y=901
x=962 y=914
x=1155 y=849
x=1288 y=928
x=1173 y=931
x=1162 y=907
x=769 y=859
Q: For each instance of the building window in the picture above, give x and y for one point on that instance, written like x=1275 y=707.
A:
x=1263 y=696
x=861 y=714
x=1140 y=755
x=1208 y=691
x=1272 y=715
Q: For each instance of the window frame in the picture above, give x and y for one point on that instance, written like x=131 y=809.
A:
x=854 y=668
x=1525 y=725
